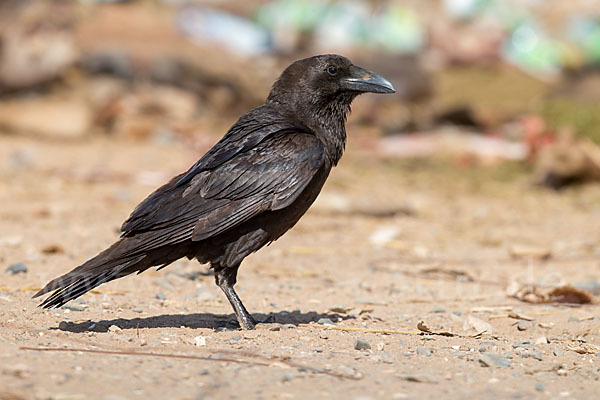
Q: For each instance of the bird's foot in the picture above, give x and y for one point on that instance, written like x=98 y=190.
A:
x=247 y=322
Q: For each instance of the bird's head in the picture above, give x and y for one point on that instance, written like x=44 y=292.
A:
x=324 y=78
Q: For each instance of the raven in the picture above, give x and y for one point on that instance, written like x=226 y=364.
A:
x=246 y=191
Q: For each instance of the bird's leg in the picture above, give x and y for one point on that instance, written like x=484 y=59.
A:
x=225 y=279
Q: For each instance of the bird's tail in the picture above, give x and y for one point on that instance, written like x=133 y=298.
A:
x=115 y=262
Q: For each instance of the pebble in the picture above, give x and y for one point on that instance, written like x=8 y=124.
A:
x=437 y=310
x=540 y=386
x=74 y=307
x=536 y=355
x=523 y=325
x=138 y=310
x=387 y=358
x=114 y=328
x=275 y=328
x=200 y=341
x=361 y=344
x=325 y=321
x=160 y=296
x=541 y=340
x=493 y=360
x=18 y=268
x=557 y=352
x=422 y=351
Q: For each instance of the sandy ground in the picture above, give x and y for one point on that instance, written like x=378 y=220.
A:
x=387 y=245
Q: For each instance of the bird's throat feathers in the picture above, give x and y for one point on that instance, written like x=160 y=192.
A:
x=328 y=120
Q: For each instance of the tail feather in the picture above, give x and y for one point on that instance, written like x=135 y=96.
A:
x=110 y=264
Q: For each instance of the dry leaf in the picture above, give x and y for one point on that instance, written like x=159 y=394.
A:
x=422 y=326
x=561 y=294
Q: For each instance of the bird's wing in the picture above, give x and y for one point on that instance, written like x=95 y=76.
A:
x=268 y=176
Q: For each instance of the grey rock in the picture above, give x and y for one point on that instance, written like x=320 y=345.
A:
x=536 y=355
x=437 y=310
x=422 y=351
x=493 y=360
x=160 y=296
x=18 y=268
x=362 y=344
x=523 y=325
x=540 y=386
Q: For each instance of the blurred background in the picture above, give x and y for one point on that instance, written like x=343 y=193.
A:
x=479 y=82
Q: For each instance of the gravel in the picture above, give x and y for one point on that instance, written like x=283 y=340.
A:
x=18 y=268
x=362 y=344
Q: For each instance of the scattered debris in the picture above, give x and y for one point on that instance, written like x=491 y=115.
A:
x=561 y=294
x=583 y=348
x=424 y=328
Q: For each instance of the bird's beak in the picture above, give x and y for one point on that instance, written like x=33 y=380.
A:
x=362 y=80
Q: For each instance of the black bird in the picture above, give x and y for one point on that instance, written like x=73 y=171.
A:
x=246 y=191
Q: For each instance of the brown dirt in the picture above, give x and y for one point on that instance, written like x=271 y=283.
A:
x=442 y=255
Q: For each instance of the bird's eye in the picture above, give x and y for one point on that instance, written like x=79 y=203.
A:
x=332 y=70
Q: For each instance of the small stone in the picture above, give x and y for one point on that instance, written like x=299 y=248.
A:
x=557 y=352
x=74 y=307
x=523 y=325
x=540 y=386
x=573 y=319
x=493 y=360
x=114 y=328
x=541 y=340
x=438 y=310
x=361 y=344
x=138 y=310
x=275 y=328
x=160 y=296
x=536 y=355
x=200 y=341
x=422 y=351
x=18 y=268
x=387 y=358
x=325 y=321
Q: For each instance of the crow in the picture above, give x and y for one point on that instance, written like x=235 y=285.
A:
x=245 y=192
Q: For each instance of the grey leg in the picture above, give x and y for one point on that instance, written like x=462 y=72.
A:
x=243 y=316
x=225 y=278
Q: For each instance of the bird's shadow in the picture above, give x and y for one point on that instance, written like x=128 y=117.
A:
x=196 y=321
